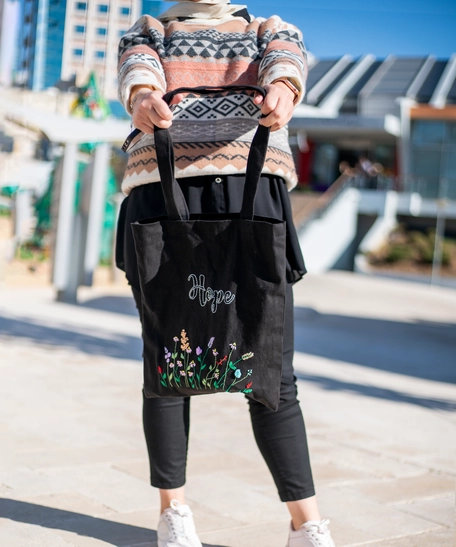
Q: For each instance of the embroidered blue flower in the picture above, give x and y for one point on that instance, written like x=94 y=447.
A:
x=237 y=373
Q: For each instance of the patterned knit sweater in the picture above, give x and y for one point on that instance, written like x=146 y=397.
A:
x=211 y=135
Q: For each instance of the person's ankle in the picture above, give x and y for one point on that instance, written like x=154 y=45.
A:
x=296 y=524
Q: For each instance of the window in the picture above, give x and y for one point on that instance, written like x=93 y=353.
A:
x=122 y=32
x=78 y=52
x=103 y=8
x=433 y=153
x=100 y=54
x=81 y=6
x=79 y=29
x=124 y=11
x=101 y=31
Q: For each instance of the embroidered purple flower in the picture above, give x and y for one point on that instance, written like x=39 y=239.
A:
x=192 y=364
x=211 y=341
x=199 y=351
x=182 y=372
x=190 y=373
x=179 y=363
x=176 y=339
x=171 y=365
x=189 y=350
x=216 y=375
x=233 y=345
x=215 y=352
x=247 y=356
x=237 y=373
x=166 y=350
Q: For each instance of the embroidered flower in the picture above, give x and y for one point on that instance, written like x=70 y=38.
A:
x=190 y=373
x=192 y=364
x=216 y=375
x=179 y=363
x=182 y=372
x=184 y=340
x=249 y=385
x=233 y=345
x=171 y=365
x=237 y=373
x=176 y=339
x=199 y=351
x=189 y=350
x=247 y=356
x=166 y=350
x=211 y=341
x=159 y=370
x=215 y=352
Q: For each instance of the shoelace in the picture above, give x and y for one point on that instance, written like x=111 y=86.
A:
x=179 y=523
x=318 y=529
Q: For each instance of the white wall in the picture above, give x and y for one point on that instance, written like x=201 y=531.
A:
x=327 y=238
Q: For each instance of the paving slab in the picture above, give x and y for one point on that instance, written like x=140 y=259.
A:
x=375 y=362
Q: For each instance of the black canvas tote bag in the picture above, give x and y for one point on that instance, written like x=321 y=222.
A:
x=212 y=289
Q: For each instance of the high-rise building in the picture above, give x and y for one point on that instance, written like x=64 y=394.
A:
x=9 y=25
x=62 y=40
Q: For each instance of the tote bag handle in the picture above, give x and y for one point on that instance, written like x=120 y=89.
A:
x=175 y=203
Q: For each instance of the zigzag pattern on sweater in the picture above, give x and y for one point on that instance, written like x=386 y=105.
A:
x=211 y=134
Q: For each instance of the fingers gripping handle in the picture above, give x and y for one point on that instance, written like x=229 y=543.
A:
x=168 y=97
x=174 y=200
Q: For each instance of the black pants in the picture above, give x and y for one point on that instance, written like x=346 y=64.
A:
x=281 y=435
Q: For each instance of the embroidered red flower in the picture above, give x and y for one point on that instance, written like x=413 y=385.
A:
x=249 y=385
x=222 y=360
x=159 y=370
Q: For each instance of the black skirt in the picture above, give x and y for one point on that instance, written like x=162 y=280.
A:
x=207 y=194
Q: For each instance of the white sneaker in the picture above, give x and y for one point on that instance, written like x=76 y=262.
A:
x=176 y=527
x=313 y=533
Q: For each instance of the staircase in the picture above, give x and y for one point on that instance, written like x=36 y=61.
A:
x=327 y=225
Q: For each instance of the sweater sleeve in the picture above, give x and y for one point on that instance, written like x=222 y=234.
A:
x=284 y=54
x=139 y=58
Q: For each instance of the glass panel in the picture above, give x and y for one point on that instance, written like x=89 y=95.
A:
x=451 y=132
x=325 y=166
x=428 y=132
x=426 y=172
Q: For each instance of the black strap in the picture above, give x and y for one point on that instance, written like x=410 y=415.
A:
x=176 y=206
x=167 y=97
x=175 y=203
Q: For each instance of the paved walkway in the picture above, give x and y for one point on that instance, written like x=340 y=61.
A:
x=376 y=362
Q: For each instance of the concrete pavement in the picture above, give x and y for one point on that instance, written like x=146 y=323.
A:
x=376 y=365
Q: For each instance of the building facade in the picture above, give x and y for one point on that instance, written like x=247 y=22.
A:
x=9 y=27
x=398 y=113
x=64 y=40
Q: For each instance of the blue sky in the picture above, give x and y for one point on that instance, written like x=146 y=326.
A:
x=334 y=27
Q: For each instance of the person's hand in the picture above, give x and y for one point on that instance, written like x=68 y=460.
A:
x=150 y=109
x=277 y=106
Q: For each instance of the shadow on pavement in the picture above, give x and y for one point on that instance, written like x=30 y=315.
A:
x=422 y=349
x=331 y=384
x=115 y=304
x=113 y=533
x=119 y=346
